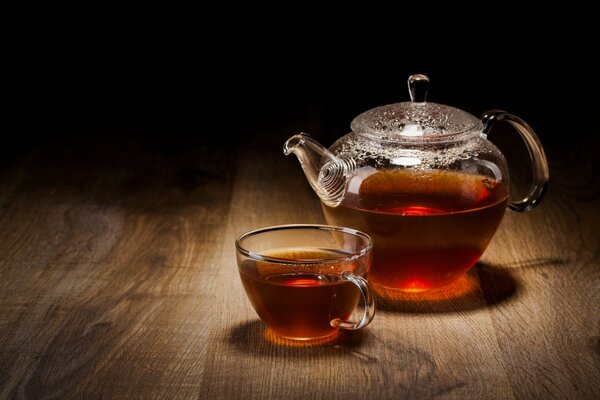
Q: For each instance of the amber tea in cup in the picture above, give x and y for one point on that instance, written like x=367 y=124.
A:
x=306 y=281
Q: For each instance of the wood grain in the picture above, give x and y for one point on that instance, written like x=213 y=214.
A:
x=118 y=279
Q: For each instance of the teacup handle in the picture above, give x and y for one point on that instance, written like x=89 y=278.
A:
x=536 y=153
x=368 y=300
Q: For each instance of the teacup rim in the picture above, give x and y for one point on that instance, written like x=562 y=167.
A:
x=260 y=257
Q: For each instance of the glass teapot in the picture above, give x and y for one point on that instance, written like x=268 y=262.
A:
x=424 y=181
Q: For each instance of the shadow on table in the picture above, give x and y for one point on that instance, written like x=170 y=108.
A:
x=252 y=337
x=483 y=286
x=378 y=357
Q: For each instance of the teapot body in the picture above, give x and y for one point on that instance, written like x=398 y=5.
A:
x=431 y=209
x=424 y=181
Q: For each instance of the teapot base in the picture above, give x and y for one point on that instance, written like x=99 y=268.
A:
x=408 y=300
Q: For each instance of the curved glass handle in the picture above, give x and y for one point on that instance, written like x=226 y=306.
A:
x=536 y=153
x=368 y=300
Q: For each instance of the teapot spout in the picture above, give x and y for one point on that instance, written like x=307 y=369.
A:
x=326 y=173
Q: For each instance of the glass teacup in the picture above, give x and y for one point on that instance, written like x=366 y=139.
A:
x=306 y=281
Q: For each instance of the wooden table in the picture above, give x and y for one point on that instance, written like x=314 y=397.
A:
x=118 y=279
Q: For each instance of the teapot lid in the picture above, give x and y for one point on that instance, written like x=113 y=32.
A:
x=417 y=120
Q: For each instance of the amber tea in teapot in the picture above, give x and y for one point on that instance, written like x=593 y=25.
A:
x=424 y=181
x=429 y=228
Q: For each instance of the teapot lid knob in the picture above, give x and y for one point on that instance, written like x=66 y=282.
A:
x=418 y=85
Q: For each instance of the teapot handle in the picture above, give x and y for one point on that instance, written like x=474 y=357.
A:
x=536 y=153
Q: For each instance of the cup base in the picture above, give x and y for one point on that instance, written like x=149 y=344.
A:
x=273 y=336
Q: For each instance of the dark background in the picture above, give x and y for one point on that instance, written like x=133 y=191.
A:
x=198 y=84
